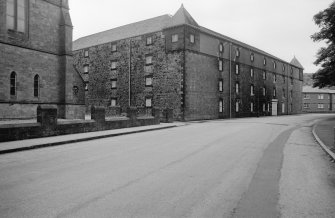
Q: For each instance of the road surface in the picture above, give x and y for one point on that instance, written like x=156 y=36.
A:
x=255 y=167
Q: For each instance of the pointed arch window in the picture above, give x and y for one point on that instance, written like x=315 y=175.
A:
x=13 y=84
x=36 y=85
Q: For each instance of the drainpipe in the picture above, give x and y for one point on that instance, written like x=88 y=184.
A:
x=230 y=44
x=129 y=76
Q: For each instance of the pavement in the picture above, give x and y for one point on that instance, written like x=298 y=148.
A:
x=324 y=133
x=28 y=144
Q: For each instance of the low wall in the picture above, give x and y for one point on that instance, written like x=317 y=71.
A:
x=48 y=126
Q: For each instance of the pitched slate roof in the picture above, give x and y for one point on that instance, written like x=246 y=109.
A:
x=182 y=17
x=134 y=29
x=296 y=63
x=310 y=89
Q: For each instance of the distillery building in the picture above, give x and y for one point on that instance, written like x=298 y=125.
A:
x=36 y=62
x=173 y=62
x=317 y=100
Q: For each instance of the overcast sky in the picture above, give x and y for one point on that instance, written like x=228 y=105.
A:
x=279 y=27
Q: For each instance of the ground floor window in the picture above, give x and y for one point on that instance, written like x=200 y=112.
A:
x=306 y=105
x=148 y=102
x=320 y=106
x=113 y=102
x=221 y=106
x=252 y=106
x=237 y=106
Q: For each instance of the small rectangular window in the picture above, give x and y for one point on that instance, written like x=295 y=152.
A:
x=264 y=75
x=274 y=92
x=284 y=79
x=320 y=96
x=274 y=78
x=148 y=81
x=148 y=60
x=174 y=38
x=86 y=68
x=237 y=52
x=264 y=107
x=113 y=102
x=114 y=83
x=264 y=61
x=149 y=40
x=221 y=106
x=221 y=48
x=220 y=65
x=237 y=106
x=252 y=57
x=284 y=93
x=264 y=91
x=320 y=106
x=251 y=72
x=237 y=70
x=148 y=102
x=86 y=86
x=220 y=85
x=86 y=53
x=237 y=88
x=252 y=90
x=306 y=96
x=251 y=107
x=306 y=105
x=114 y=48
x=113 y=65
x=191 y=38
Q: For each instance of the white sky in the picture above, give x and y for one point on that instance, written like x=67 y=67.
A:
x=279 y=27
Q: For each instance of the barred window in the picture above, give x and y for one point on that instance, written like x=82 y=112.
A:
x=36 y=85
x=13 y=83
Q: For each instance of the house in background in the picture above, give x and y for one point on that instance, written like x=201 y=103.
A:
x=173 y=62
x=317 y=100
x=36 y=62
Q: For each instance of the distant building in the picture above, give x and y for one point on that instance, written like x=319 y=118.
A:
x=172 y=61
x=36 y=63
x=317 y=100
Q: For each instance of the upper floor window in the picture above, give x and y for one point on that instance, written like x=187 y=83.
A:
x=264 y=91
x=264 y=75
x=149 y=40
x=221 y=48
x=274 y=65
x=237 y=88
x=86 y=86
x=237 y=69
x=274 y=78
x=220 y=65
x=36 y=85
x=13 y=83
x=320 y=96
x=191 y=38
x=251 y=72
x=284 y=93
x=148 y=102
x=252 y=57
x=252 y=90
x=113 y=83
x=114 y=48
x=306 y=96
x=284 y=79
x=148 y=59
x=274 y=92
x=86 y=67
x=86 y=53
x=174 y=38
x=16 y=15
x=113 y=65
x=221 y=85
x=283 y=67
x=264 y=61
x=237 y=52
x=148 y=81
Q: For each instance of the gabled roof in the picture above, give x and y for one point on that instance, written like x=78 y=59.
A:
x=182 y=17
x=134 y=29
x=296 y=63
x=310 y=89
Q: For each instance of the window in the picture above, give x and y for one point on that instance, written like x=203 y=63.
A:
x=113 y=83
x=114 y=48
x=221 y=85
x=86 y=53
x=252 y=57
x=274 y=78
x=113 y=102
x=306 y=105
x=274 y=92
x=237 y=70
x=251 y=106
x=283 y=108
x=274 y=65
x=86 y=86
x=284 y=79
x=264 y=75
x=113 y=65
x=263 y=106
x=86 y=67
x=148 y=81
x=36 y=85
x=16 y=15
x=291 y=80
x=221 y=48
x=13 y=84
x=237 y=106
x=220 y=65
x=268 y=107
x=251 y=72
x=252 y=90
x=220 y=106
x=283 y=67
x=237 y=52
x=320 y=106
x=291 y=94
x=149 y=40
x=264 y=91
x=264 y=61
x=306 y=96
x=191 y=38
x=320 y=96
x=237 y=88
x=284 y=93
x=148 y=102
x=148 y=60
x=174 y=38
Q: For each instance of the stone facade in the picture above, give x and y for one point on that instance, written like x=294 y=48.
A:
x=41 y=49
x=186 y=71
x=318 y=100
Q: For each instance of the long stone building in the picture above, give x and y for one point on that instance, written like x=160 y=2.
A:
x=317 y=100
x=36 y=62
x=173 y=62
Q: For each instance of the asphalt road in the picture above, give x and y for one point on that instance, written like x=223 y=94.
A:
x=257 y=167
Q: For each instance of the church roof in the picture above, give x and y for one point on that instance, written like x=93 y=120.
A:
x=296 y=63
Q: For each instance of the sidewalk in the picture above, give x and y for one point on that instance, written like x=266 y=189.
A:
x=15 y=146
x=324 y=132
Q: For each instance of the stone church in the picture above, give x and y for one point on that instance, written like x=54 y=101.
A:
x=36 y=62
x=173 y=62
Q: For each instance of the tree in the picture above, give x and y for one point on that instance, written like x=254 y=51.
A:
x=325 y=76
